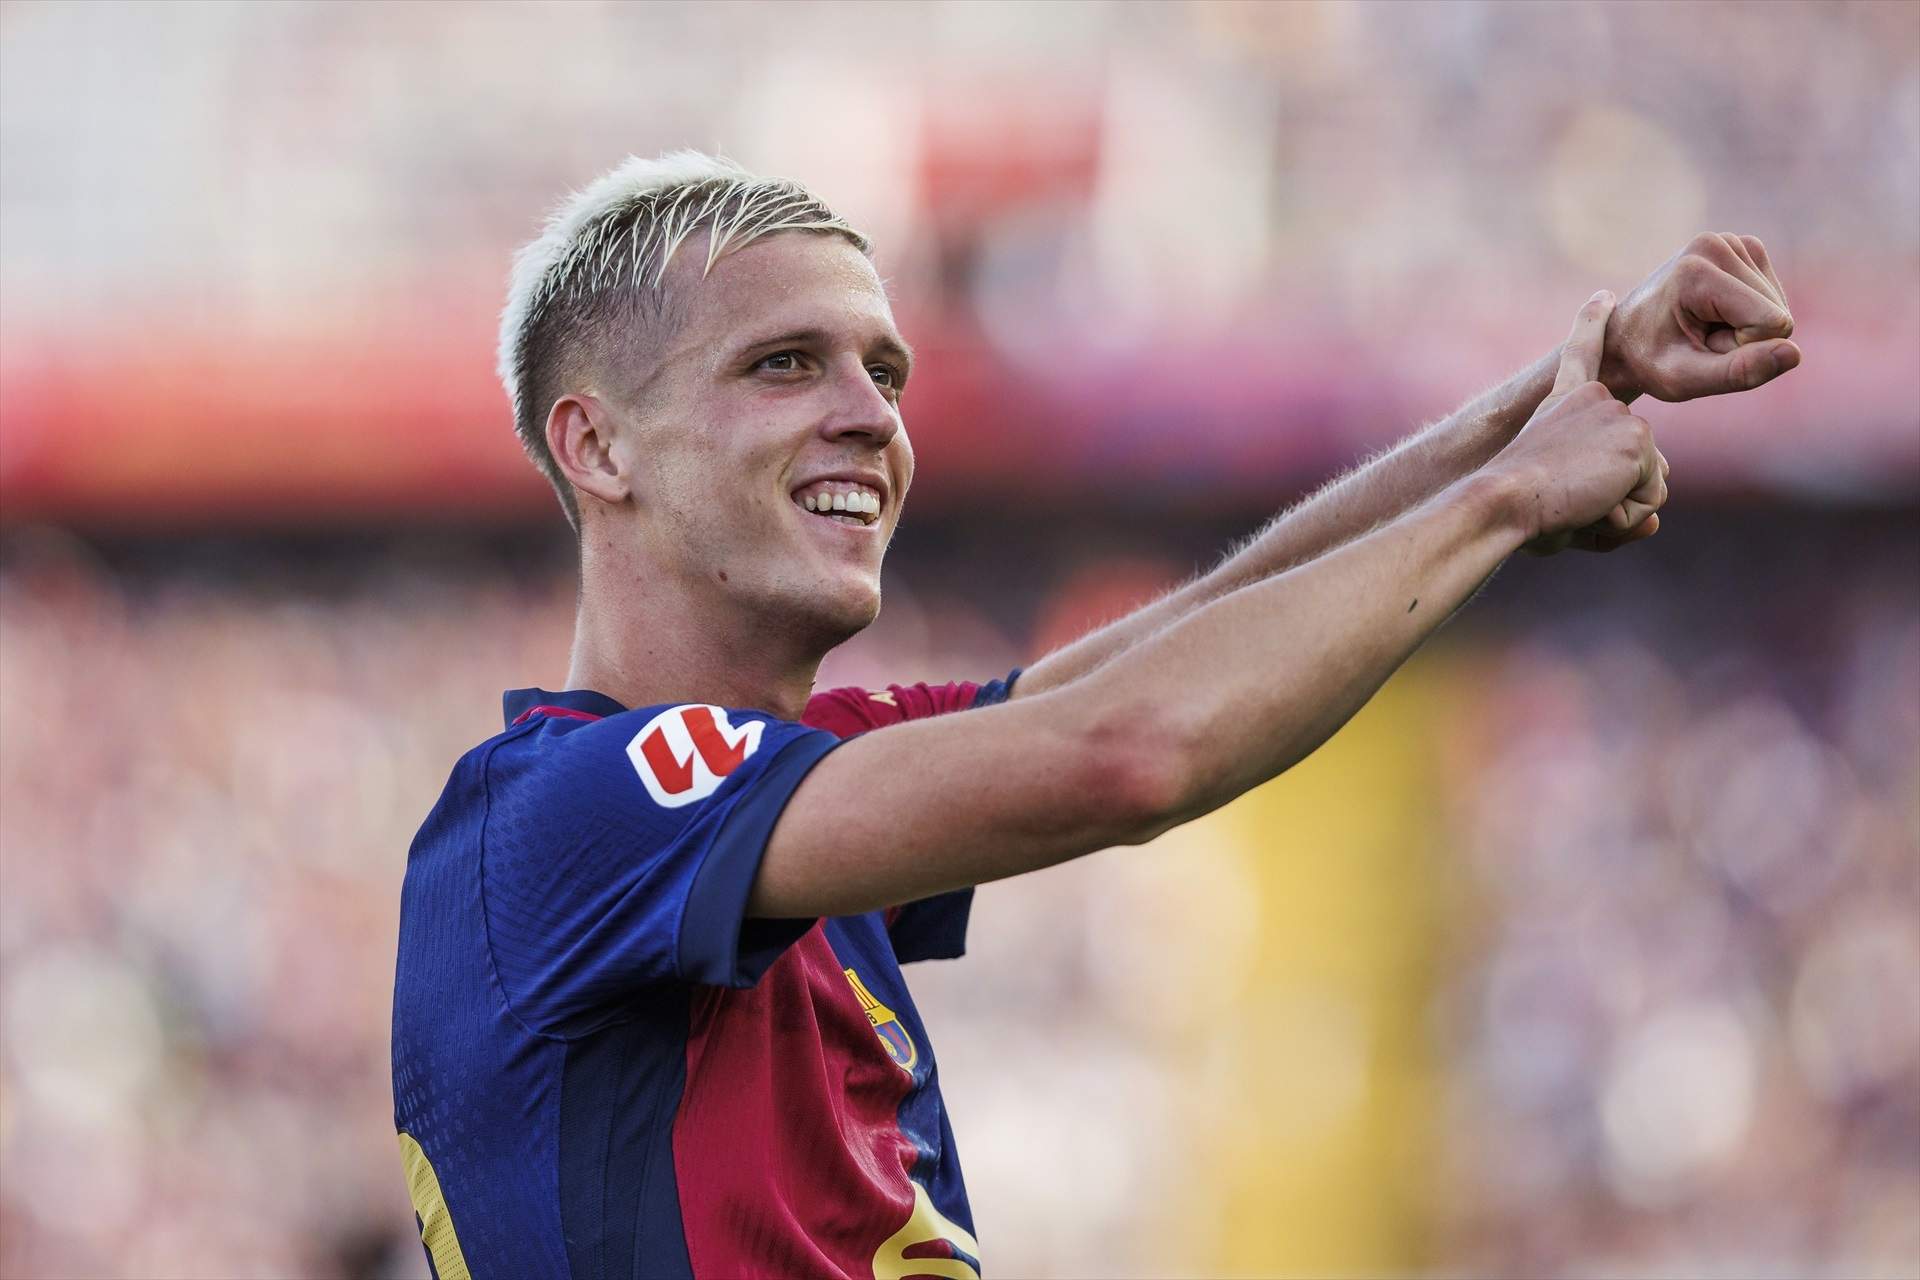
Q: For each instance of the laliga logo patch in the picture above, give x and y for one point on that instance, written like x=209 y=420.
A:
x=886 y=1025
x=685 y=753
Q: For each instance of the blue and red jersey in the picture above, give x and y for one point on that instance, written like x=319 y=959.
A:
x=602 y=1068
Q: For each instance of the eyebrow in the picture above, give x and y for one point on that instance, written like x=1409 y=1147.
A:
x=886 y=345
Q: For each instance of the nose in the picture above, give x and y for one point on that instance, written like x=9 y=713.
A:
x=861 y=409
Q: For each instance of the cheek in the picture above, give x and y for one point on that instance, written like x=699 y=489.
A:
x=904 y=449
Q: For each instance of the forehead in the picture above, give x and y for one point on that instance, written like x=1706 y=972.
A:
x=788 y=281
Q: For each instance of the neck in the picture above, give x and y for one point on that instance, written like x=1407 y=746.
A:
x=710 y=652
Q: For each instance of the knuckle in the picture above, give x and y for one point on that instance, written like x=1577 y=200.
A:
x=1693 y=267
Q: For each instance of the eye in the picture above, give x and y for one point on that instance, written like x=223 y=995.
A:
x=884 y=375
x=780 y=362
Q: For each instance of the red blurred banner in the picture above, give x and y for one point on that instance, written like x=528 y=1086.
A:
x=207 y=428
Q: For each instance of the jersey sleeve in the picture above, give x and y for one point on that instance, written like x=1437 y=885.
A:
x=618 y=855
x=932 y=928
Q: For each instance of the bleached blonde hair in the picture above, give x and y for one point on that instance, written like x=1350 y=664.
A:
x=590 y=285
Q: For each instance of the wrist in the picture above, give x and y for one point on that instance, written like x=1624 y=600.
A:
x=1500 y=499
x=1617 y=374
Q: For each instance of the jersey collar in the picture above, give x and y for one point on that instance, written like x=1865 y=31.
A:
x=577 y=704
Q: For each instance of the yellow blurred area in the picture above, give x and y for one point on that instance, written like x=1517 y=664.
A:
x=1319 y=1133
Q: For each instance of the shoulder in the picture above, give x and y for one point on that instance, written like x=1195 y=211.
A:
x=619 y=852
x=651 y=760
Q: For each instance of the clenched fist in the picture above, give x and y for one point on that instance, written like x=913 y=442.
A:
x=1714 y=319
x=1584 y=469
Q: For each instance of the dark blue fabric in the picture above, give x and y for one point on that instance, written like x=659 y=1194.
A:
x=517 y=702
x=714 y=948
x=590 y=885
x=555 y=923
x=619 y=1203
x=996 y=690
x=933 y=928
x=474 y=1087
x=540 y=1015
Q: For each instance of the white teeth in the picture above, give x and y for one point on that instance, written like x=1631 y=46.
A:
x=860 y=504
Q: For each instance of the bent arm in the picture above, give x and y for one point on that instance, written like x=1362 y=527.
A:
x=1219 y=701
x=1374 y=492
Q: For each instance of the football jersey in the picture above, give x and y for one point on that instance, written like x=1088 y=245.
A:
x=602 y=1068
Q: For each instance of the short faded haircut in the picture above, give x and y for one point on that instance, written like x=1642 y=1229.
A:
x=590 y=285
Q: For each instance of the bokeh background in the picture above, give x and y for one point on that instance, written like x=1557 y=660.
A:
x=1591 y=948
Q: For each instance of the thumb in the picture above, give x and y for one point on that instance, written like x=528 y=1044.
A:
x=1748 y=367
x=1740 y=369
x=1580 y=358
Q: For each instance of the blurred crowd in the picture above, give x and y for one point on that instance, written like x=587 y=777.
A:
x=1682 y=1003
x=1636 y=994
x=1208 y=157
x=1099 y=221
x=1675 y=997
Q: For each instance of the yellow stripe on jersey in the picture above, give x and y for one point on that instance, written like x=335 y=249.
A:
x=925 y=1225
x=436 y=1223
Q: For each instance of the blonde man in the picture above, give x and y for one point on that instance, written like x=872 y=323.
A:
x=649 y=1017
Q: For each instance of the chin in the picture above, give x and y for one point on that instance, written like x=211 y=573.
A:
x=856 y=609
x=850 y=607
x=832 y=613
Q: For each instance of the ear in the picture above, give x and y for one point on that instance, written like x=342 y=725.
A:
x=580 y=437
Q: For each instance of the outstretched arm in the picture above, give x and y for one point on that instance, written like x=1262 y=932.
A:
x=1713 y=319
x=1343 y=509
x=1216 y=703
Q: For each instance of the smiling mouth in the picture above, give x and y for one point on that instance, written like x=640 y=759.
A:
x=841 y=501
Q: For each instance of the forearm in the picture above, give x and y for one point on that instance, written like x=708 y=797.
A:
x=1345 y=508
x=1250 y=683
x=1181 y=723
x=1211 y=705
x=1387 y=485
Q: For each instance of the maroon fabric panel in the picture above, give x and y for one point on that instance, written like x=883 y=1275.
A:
x=787 y=1146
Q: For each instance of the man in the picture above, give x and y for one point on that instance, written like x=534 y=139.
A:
x=649 y=1017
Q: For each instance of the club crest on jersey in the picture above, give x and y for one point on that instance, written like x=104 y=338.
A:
x=685 y=753
x=893 y=1034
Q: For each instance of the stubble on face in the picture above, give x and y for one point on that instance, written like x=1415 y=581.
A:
x=717 y=447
